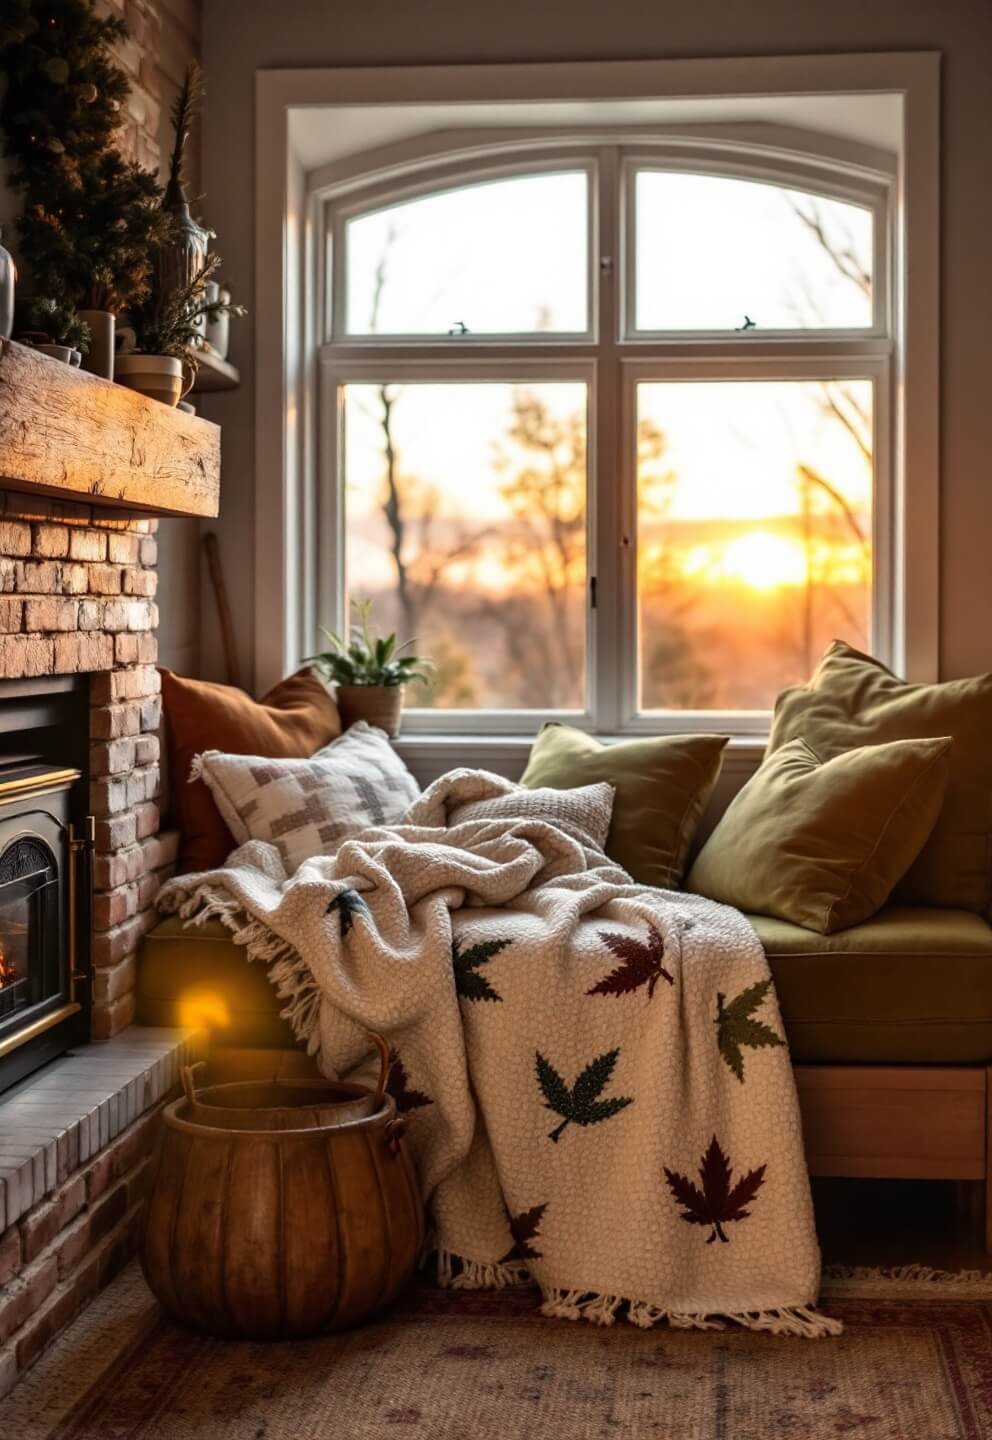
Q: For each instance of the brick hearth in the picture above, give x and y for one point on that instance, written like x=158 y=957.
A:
x=77 y=595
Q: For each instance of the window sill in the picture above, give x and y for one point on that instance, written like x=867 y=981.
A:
x=429 y=756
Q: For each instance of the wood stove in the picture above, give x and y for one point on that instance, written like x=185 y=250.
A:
x=45 y=849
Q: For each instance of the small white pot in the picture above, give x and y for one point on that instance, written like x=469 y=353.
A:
x=160 y=377
x=58 y=352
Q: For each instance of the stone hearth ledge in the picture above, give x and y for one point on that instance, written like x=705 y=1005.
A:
x=57 y=1120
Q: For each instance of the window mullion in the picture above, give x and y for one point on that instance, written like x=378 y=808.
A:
x=607 y=476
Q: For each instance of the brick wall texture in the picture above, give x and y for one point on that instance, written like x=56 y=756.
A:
x=63 y=1251
x=77 y=595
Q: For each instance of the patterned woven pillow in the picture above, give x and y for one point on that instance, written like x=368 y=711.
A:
x=307 y=807
x=584 y=813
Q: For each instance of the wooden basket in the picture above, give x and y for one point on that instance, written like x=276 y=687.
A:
x=379 y=705
x=278 y=1211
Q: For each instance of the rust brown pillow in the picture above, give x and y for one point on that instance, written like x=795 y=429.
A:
x=294 y=719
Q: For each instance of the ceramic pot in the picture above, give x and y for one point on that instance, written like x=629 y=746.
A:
x=99 y=359
x=160 y=377
x=219 y=330
x=8 y=281
x=58 y=352
x=379 y=705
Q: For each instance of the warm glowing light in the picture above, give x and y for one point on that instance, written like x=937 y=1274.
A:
x=203 y=1010
x=8 y=970
x=764 y=561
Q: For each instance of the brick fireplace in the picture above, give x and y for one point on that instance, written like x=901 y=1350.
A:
x=79 y=706
x=77 y=590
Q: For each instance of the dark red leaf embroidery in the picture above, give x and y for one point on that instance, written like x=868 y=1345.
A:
x=524 y=1228
x=640 y=963
x=717 y=1203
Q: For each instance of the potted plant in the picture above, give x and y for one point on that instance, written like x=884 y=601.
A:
x=370 y=672
x=54 y=327
x=160 y=354
x=91 y=219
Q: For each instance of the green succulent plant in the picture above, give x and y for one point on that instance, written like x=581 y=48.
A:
x=363 y=658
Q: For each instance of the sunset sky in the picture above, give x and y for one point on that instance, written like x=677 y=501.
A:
x=511 y=255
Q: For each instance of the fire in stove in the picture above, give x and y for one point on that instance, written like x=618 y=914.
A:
x=8 y=968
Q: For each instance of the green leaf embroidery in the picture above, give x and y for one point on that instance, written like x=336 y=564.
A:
x=580 y=1103
x=398 y=1085
x=469 y=984
x=348 y=904
x=736 y=1027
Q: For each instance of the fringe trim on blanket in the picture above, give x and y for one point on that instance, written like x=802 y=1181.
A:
x=800 y=1320
x=289 y=974
x=454 y=1272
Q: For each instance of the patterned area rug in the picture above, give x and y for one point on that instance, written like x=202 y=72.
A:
x=486 y=1366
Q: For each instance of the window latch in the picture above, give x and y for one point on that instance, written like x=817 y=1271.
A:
x=592 y=592
x=459 y=328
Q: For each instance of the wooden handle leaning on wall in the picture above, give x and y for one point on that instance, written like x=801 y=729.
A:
x=231 y=666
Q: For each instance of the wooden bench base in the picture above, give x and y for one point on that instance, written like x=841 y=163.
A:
x=905 y=1122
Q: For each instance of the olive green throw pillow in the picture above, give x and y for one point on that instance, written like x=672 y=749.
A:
x=823 y=843
x=854 y=700
x=662 y=785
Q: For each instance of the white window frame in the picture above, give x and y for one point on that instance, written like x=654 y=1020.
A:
x=287 y=324
x=610 y=357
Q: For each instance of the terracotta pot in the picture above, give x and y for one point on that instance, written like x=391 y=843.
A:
x=160 y=377
x=99 y=359
x=380 y=705
x=307 y=1223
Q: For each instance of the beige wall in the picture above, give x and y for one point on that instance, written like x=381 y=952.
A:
x=241 y=36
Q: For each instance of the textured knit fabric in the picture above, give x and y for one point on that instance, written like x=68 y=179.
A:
x=583 y=813
x=599 y=1093
x=307 y=807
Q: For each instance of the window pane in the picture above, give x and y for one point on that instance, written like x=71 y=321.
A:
x=715 y=253
x=754 y=536
x=503 y=257
x=466 y=526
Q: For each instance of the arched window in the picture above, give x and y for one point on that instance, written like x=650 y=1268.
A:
x=606 y=428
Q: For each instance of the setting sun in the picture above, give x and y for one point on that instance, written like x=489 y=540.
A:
x=764 y=561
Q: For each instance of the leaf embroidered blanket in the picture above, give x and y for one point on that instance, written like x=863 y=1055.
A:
x=600 y=1095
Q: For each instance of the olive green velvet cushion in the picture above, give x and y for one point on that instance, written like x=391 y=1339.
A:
x=823 y=844
x=853 y=700
x=197 y=977
x=910 y=987
x=907 y=987
x=662 y=785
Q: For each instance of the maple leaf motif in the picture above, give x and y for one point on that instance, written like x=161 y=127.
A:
x=469 y=984
x=398 y=1085
x=524 y=1228
x=736 y=1026
x=580 y=1103
x=640 y=963
x=348 y=903
x=717 y=1203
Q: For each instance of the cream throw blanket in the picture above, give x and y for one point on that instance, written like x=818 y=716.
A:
x=598 y=1092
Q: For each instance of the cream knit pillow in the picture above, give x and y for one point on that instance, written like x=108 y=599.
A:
x=584 y=813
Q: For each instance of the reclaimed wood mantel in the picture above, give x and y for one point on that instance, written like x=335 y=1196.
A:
x=73 y=436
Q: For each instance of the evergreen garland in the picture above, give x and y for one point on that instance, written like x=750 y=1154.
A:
x=91 y=219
